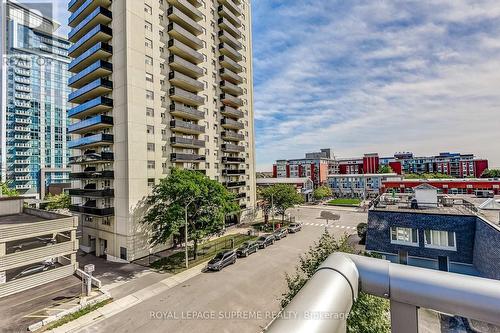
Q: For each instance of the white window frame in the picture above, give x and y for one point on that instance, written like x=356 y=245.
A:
x=440 y=247
x=402 y=242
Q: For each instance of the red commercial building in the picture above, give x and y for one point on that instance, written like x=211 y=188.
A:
x=446 y=186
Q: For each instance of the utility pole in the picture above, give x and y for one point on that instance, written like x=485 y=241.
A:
x=186 y=232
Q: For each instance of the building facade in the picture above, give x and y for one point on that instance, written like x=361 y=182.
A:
x=446 y=186
x=359 y=185
x=303 y=185
x=157 y=84
x=33 y=121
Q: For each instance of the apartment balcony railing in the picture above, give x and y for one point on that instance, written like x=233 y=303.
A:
x=22 y=145
x=96 y=70
x=231 y=88
x=180 y=95
x=229 y=27
x=22 y=121
x=91 y=90
x=232 y=6
x=22 y=153
x=229 y=39
x=227 y=50
x=234 y=185
x=104 y=174
x=74 y=5
x=229 y=147
x=184 y=51
x=99 y=51
x=232 y=172
x=20 y=112
x=226 y=13
x=185 y=82
x=100 y=33
x=184 y=66
x=177 y=16
x=92 y=158
x=182 y=158
x=335 y=286
x=232 y=124
x=22 y=80
x=231 y=100
x=22 y=129
x=91 y=141
x=185 y=127
x=187 y=112
x=230 y=76
x=231 y=112
x=22 y=162
x=180 y=142
x=19 y=87
x=22 y=170
x=187 y=8
x=22 y=72
x=94 y=106
x=100 y=15
x=91 y=193
x=22 y=137
x=232 y=160
x=84 y=10
x=106 y=211
x=95 y=123
x=229 y=63
x=23 y=96
x=232 y=136
x=25 y=105
x=23 y=187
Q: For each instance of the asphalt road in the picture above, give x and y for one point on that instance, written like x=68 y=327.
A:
x=241 y=298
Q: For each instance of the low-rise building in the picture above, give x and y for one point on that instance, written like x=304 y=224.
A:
x=446 y=186
x=359 y=185
x=36 y=246
x=302 y=185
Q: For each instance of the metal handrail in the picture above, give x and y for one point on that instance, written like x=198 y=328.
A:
x=331 y=291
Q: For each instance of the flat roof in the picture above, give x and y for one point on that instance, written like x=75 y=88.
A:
x=339 y=175
x=20 y=218
x=454 y=210
x=282 y=180
x=449 y=180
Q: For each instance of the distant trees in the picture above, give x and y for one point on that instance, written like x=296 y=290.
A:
x=60 y=201
x=385 y=169
x=435 y=175
x=280 y=197
x=322 y=192
x=491 y=173
x=6 y=191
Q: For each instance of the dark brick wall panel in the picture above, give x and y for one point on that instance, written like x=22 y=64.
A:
x=487 y=249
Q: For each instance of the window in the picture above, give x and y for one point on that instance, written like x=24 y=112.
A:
x=148 y=43
x=151 y=146
x=148 y=9
x=151 y=164
x=151 y=182
x=404 y=236
x=149 y=77
x=150 y=129
x=150 y=112
x=148 y=26
x=150 y=95
x=440 y=239
x=149 y=60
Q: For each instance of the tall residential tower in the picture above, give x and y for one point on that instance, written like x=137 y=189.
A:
x=157 y=84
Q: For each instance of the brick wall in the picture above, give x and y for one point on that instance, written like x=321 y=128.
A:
x=487 y=249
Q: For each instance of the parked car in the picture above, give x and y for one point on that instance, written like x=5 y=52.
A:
x=221 y=260
x=246 y=249
x=280 y=233
x=33 y=243
x=34 y=269
x=265 y=240
x=294 y=227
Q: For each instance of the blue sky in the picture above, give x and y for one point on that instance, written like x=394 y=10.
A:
x=374 y=76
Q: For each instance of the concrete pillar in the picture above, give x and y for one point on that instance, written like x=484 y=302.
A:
x=2 y=253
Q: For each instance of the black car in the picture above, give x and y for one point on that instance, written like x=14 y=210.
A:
x=280 y=233
x=265 y=240
x=246 y=249
x=221 y=260
x=294 y=227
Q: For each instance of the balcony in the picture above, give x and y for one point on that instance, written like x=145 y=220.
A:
x=180 y=110
x=22 y=129
x=181 y=142
x=92 y=107
x=229 y=27
x=183 y=158
x=25 y=97
x=232 y=148
x=22 y=162
x=234 y=184
x=184 y=51
x=185 y=127
x=106 y=211
x=91 y=193
x=229 y=63
x=22 y=88
x=229 y=15
x=232 y=136
x=94 y=89
x=241 y=195
x=23 y=178
x=100 y=33
x=22 y=137
x=22 y=72
x=227 y=38
x=232 y=124
x=232 y=172
x=20 y=112
x=187 y=8
x=233 y=89
x=91 y=124
x=232 y=160
x=98 y=69
x=92 y=158
x=184 y=66
x=23 y=80
x=25 y=105
x=230 y=76
x=100 y=15
x=177 y=32
x=105 y=174
x=231 y=112
x=95 y=140
x=85 y=9
x=186 y=97
x=74 y=5
x=22 y=170
x=183 y=81
x=22 y=145
x=25 y=121
x=177 y=16
x=227 y=50
x=231 y=100
x=99 y=51
x=23 y=187
x=232 y=6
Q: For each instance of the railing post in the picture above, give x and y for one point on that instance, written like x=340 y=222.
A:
x=404 y=318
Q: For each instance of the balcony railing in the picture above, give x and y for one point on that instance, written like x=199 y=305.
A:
x=234 y=185
x=184 y=66
x=227 y=50
x=186 y=127
x=231 y=100
x=231 y=88
x=100 y=15
x=232 y=136
x=176 y=31
x=84 y=11
x=230 y=76
x=94 y=89
x=180 y=157
x=232 y=6
x=187 y=8
x=92 y=158
x=105 y=174
x=177 y=16
x=106 y=211
x=185 y=82
x=231 y=112
x=92 y=140
x=180 y=95
x=232 y=172
x=232 y=124
x=89 y=108
x=96 y=52
x=335 y=286
x=226 y=37
x=184 y=51
x=91 y=193
x=231 y=160
x=226 y=13
x=229 y=63
x=91 y=124
x=229 y=27
x=98 y=69
x=181 y=110
x=100 y=33
x=178 y=141
x=229 y=147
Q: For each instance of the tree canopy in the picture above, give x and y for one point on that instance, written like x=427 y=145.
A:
x=322 y=192
x=60 y=201
x=281 y=197
x=207 y=201
x=385 y=169
x=7 y=191
x=435 y=175
x=491 y=173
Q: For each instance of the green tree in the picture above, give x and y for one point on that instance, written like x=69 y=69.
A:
x=207 y=202
x=385 y=169
x=435 y=175
x=369 y=314
x=6 y=191
x=491 y=173
x=60 y=201
x=322 y=192
x=281 y=197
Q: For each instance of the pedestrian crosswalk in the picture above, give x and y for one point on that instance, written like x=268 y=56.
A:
x=330 y=225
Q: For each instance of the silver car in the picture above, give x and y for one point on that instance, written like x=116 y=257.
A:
x=294 y=227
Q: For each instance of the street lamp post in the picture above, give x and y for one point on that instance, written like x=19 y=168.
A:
x=186 y=232
x=272 y=208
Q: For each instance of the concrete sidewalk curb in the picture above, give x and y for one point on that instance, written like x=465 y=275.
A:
x=129 y=301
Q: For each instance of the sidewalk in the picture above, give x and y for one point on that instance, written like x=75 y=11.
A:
x=129 y=301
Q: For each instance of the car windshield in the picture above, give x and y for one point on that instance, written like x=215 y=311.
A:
x=262 y=238
x=244 y=245
x=218 y=256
